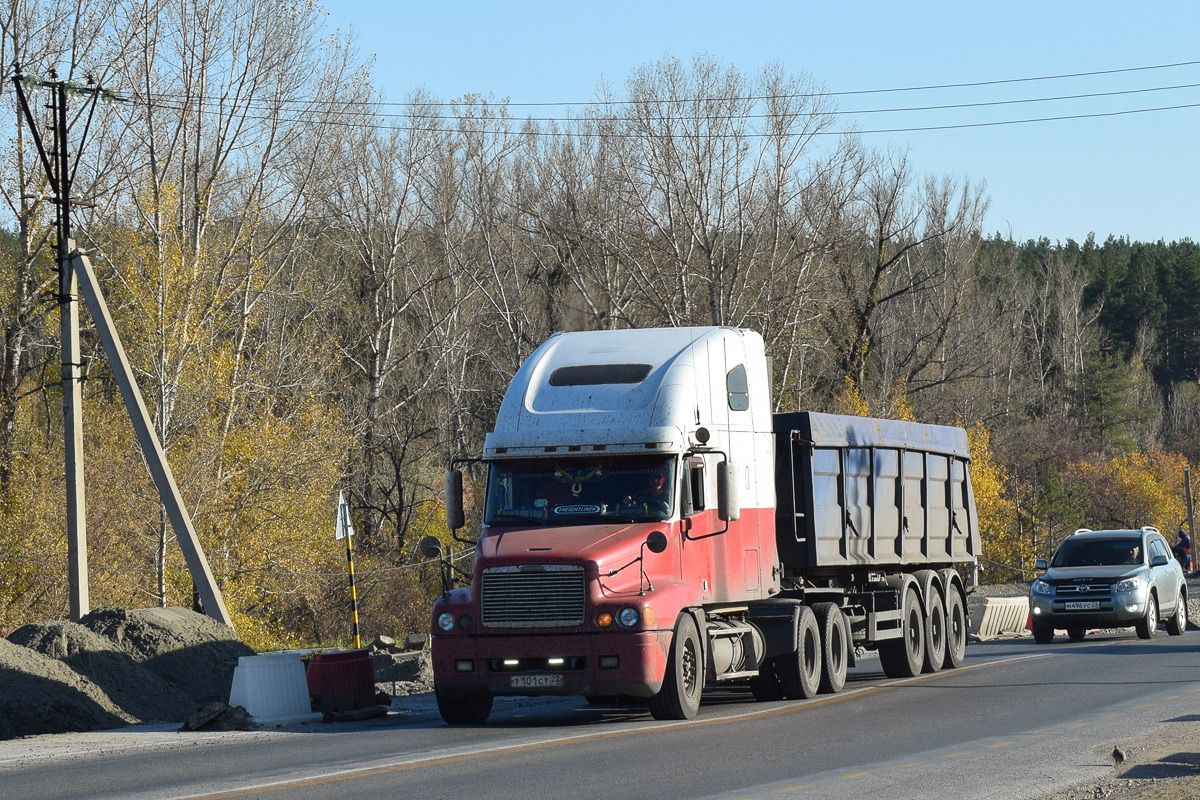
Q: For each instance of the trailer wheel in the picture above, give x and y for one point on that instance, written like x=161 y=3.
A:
x=679 y=697
x=835 y=646
x=904 y=657
x=935 y=631
x=800 y=671
x=473 y=710
x=765 y=685
x=956 y=629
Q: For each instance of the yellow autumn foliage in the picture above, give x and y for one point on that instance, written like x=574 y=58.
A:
x=1003 y=547
x=1144 y=488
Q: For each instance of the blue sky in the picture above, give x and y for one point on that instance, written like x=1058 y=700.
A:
x=1134 y=175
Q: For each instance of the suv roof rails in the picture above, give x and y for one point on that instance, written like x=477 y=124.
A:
x=1081 y=530
x=1150 y=528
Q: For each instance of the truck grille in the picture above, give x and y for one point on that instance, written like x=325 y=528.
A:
x=541 y=596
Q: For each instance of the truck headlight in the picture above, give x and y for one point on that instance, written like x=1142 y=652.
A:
x=1128 y=585
x=445 y=621
x=1041 y=587
x=628 y=616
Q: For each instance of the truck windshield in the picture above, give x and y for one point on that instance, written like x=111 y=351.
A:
x=580 y=492
x=1099 y=552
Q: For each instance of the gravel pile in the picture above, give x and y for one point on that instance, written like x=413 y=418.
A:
x=115 y=667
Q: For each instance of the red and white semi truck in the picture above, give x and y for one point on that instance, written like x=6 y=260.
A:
x=650 y=528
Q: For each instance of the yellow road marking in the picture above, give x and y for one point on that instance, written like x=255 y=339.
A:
x=1078 y=724
x=1109 y=716
x=909 y=764
x=1036 y=735
x=1000 y=744
x=797 y=786
x=956 y=755
x=855 y=775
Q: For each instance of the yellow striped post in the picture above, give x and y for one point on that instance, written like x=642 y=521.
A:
x=353 y=594
x=345 y=530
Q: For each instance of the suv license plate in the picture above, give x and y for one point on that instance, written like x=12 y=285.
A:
x=535 y=681
x=1083 y=605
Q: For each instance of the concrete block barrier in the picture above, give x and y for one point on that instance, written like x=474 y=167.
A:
x=999 y=617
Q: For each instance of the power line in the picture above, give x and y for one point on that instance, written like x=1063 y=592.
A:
x=162 y=100
x=362 y=125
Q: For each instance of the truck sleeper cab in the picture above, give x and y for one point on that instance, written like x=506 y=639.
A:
x=629 y=544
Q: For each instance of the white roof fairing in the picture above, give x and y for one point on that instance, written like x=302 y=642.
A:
x=673 y=396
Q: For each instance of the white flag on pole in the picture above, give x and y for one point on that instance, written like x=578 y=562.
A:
x=345 y=527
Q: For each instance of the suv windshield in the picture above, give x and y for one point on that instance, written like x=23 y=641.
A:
x=1126 y=550
x=580 y=492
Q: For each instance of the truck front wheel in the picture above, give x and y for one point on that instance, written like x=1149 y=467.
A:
x=471 y=710
x=800 y=671
x=679 y=697
x=904 y=657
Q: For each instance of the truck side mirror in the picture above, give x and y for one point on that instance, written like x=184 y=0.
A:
x=1040 y=564
x=656 y=541
x=455 y=518
x=727 y=496
x=431 y=547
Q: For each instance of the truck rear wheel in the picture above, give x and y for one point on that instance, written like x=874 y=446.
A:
x=835 y=646
x=473 y=710
x=956 y=629
x=935 y=631
x=800 y=671
x=679 y=697
x=904 y=657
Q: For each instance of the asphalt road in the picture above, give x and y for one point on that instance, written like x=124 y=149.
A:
x=1017 y=721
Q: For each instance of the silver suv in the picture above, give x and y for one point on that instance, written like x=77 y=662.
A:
x=1110 y=579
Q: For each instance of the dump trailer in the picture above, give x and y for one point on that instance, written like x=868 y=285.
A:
x=650 y=528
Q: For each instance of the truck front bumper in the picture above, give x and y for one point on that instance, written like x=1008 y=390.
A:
x=593 y=665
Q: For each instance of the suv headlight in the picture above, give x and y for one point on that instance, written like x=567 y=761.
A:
x=1041 y=587
x=1128 y=585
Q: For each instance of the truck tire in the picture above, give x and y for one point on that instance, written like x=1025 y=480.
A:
x=765 y=685
x=1043 y=632
x=905 y=657
x=800 y=671
x=956 y=629
x=473 y=710
x=1147 y=626
x=935 y=631
x=835 y=646
x=679 y=697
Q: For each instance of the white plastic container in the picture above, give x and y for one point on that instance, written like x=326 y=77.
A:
x=272 y=688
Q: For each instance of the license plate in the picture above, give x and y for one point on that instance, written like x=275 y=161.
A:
x=535 y=681
x=1083 y=605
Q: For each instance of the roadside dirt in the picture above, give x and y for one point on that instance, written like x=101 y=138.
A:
x=1162 y=766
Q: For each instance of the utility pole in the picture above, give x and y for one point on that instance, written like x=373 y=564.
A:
x=60 y=172
x=74 y=265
